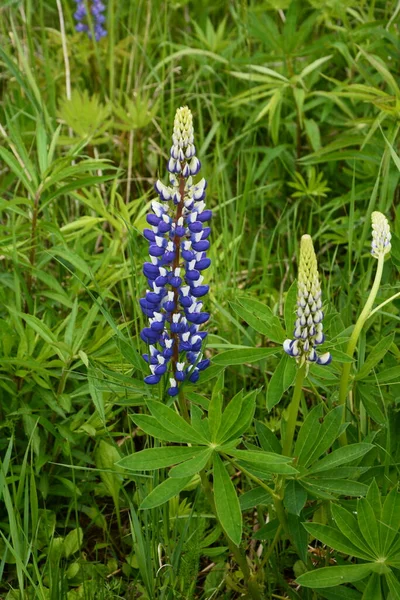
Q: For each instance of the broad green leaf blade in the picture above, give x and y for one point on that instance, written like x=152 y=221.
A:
x=328 y=433
x=192 y=466
x=157 y=458
x=390 y=522
x=373 y=588
x=347 y=523
x=268 y=440
x=374 y=498
x=394 y=585
x=227 y=502
x=335 y=539
x=339 y=487
x=341 y=456
x=341 y=592
x=243 y=356
x=333 y=576
x=308 y=435
x=299 y=535
x=295 y=497
x=152 y=427
x=230 y=417
x=368 y=525
x=271 y=323
x=283 y=377
x=169 y=418
x=254 y=497
x=165 y=491
x=265 y=461
x=245 y=418
x=375 y=356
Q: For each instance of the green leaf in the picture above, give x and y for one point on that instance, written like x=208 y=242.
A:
x=390 y=522
x=268 y=440
x=96 y=394
x=169 y=418
x=192 y=466
x=106 y=456
x=309 y=434
x=260 y=458
x=295 y=497
x=230 y=417
x=243 y=356
x=374 y=499
x=72 y=542
x=283 y=377
x=340 y=593
x=333 y=576
x=375 y=356
x=394 y=585
x=227 y=502
x=328 y=432
x=271 y=323
x=347 y=523
x=373 y=588
x=165 y=491
x=157 y=458
x=341 y=456
x=254 y=497
x=340 y=487
x=151 y=426
x=335 y=539
x=245 y=417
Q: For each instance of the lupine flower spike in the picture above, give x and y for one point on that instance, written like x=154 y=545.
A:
x=97 y=9
x=177 y=247
x=308 y=328
x=381 y=235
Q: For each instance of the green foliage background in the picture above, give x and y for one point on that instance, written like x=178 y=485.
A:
x=296 y=107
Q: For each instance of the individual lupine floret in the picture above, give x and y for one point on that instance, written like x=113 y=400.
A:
x=381 y=235
x=308 y=331
x=177 y=247
x=97 y=9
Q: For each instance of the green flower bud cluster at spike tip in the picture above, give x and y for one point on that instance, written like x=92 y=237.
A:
x=177 y=247
x=308 y=327
x=381 y=235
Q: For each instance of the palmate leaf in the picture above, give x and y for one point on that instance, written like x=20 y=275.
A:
x=152 y=427
x=335 y=539
x=328 y=433
x=169 y=419
x=368 y=525
x=347 y=523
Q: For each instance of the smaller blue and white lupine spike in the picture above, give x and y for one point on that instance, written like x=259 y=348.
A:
x=97 y=9
x=381 y=235
x=177 y=246
x=308 y=331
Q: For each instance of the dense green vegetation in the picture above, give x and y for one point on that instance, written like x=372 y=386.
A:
x=296 y=109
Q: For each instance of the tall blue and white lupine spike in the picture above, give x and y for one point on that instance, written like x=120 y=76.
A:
x=308 y=327
x=381 y=235
x=177 y=247
x=97 y=9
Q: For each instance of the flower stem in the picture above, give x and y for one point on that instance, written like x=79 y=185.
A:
x=352 y=343
x=293 y=411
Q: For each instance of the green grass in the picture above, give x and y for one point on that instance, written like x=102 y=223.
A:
x=295 y=109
